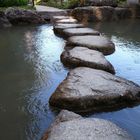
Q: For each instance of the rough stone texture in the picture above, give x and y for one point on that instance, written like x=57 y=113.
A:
x=21 y=16
x=122 y=13
x=80 y=56
x=90 y=90
x=99 y=43
x=103 y=13
x=102 y=2
x=78 y=128
x=4 y=21
x=67 y=21
x=79 y=32
x=58 y=28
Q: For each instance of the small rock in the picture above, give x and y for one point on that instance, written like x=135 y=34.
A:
x=80 y=56
x=79 y=32
x=91 y=90
x=78 y=128
x=99 y=43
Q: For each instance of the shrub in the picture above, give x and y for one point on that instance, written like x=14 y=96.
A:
x=6 y=3
x=63 y=4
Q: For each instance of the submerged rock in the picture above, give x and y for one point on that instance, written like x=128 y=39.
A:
x=4 y=22
x=99 y=43
x=21 y=16
x=71 y=126
x=88 y=90
x=79 y=32
x=58 y=28
x=80 y=56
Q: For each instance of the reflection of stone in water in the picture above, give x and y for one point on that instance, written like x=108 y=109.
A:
x=29 y=41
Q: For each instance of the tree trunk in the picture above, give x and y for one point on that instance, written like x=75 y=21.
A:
x=33 y=3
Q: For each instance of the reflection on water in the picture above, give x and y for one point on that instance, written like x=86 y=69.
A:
x=126 y=60
x=30 y=70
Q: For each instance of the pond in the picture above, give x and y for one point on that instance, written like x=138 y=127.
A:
x=30 y=70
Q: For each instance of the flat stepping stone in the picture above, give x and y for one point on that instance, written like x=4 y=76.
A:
x=67 y=21
x=79 y=32
x=99 y=43
x=91 y=90
x=71 y=126
x=80 y=56
x=58 y=28
x=55 y=18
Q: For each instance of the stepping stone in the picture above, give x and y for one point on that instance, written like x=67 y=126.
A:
x=99 y=43
x=58 y=28
x=71 y=126
x=80 y=56
x=79 y=32
x=67 y=21
x=55 y=18
x=91 y=90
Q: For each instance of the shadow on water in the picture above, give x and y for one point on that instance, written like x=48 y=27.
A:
x=126 y=60
x=30 y=71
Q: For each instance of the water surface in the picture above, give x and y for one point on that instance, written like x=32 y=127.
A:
x=30 y=70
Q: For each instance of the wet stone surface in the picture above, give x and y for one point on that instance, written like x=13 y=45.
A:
x=71 y=126
x=90 y=90
x=99 y=43
x=80 y=56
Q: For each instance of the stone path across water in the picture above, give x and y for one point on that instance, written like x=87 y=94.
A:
x=88 y=89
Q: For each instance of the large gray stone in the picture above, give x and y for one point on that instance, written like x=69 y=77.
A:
x=80 y=56
x=4 y=21
x=21 y=16
x=99 y=43
x=90 y=90
x=78 y=128
x=79 y=32
x=58 y=28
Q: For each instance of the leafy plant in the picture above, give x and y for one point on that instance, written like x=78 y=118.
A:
x=6 y=3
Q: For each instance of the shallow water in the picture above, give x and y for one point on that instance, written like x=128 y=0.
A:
x=30 y=70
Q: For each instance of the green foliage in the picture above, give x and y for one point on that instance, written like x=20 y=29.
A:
x=63 y=4
x=6 y=3
x=121 y=1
